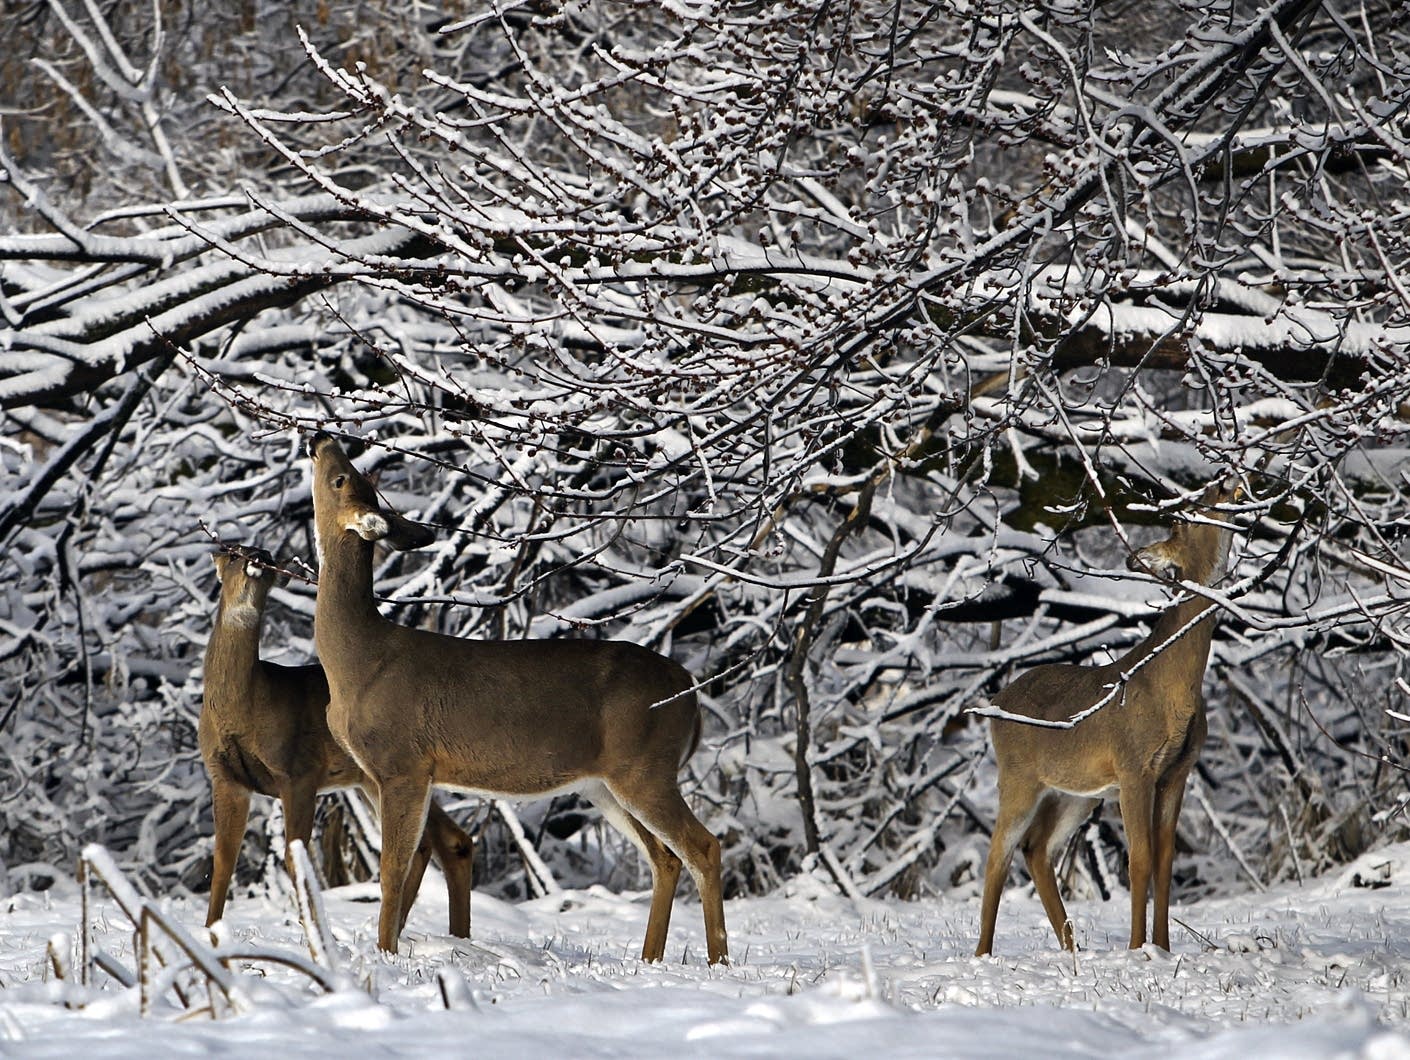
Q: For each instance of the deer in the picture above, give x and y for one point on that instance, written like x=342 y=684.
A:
x=1141 y=725
x=611 y=720
x=264 y=730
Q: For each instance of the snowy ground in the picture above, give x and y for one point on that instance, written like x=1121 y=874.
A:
x=1316 y=971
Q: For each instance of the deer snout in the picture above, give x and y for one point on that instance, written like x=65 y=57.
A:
x=1154 y=560
x=258 y=563
x=316 y=441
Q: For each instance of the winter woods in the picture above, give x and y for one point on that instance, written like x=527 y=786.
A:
x=843 y=352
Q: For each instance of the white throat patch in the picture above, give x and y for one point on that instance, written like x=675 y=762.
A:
x=370 y=526
x=240 y=616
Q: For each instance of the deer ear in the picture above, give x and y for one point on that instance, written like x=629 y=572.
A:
x=221 y=559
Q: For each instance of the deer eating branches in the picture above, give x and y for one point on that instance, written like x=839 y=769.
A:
x=1140 y=745
x=610 y=720
x=264 y=729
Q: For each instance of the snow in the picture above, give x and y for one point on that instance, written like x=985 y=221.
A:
x=1316 y=971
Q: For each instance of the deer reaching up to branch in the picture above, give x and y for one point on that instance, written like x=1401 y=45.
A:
x=264 y=729
x=611 y=720
x=1139 y=743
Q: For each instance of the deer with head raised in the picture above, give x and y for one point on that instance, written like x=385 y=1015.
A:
x=264 y=729
x=1143 y=729
x=611 y=720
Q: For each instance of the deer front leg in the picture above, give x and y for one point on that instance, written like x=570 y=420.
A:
x=417 y=872
x=455 y=850
x=1169 y=796
x=1167 y=816
x=402 y=805
x=414 y=875
x=230 y=804
x=1137 y=812
x=299 y=798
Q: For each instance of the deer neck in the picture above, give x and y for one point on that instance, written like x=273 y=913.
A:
x=1181 y=637
x=232 y=652
x=344 y=609
x=1176 y=652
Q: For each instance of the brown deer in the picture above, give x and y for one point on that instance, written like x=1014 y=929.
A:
x=264 y=729
x=1141 y=728
x=611 y=720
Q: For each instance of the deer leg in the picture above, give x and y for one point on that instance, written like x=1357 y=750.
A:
x=299 y=799
x=1047 y=837
x=665 y=814
x=1137 y=818
x=230 y=805
x=417 y=870
x=1038 y=855
x=402 y=804
x=665 y=869
x=1016 y=811
x=415 y=873
x=455 y=850
x=665 y=875
x=1168 y=800
x=1169 y=796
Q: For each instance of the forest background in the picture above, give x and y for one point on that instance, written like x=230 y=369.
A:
x=842 y=351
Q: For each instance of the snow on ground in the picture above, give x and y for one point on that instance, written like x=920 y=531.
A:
x=1312 y=971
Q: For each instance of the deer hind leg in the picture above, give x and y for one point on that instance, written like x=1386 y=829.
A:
x=230 y=805
x=455 y=851
x=665 y=868
x=664 y=813
x=402 y=803
x=1016 y=809
x=1057 y=818
x=1137 y=818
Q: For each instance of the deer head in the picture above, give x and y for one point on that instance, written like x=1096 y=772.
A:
x=246 y=576
x=345 y=501
x=1163 y=559
x=1196 y=549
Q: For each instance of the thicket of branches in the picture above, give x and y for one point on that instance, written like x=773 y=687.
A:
x=842 y=351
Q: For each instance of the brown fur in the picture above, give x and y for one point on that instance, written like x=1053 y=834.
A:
x=613 y=720
x=264 y=729
x=1141 y=744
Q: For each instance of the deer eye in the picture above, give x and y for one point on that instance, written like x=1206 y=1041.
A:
x=340 y=482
